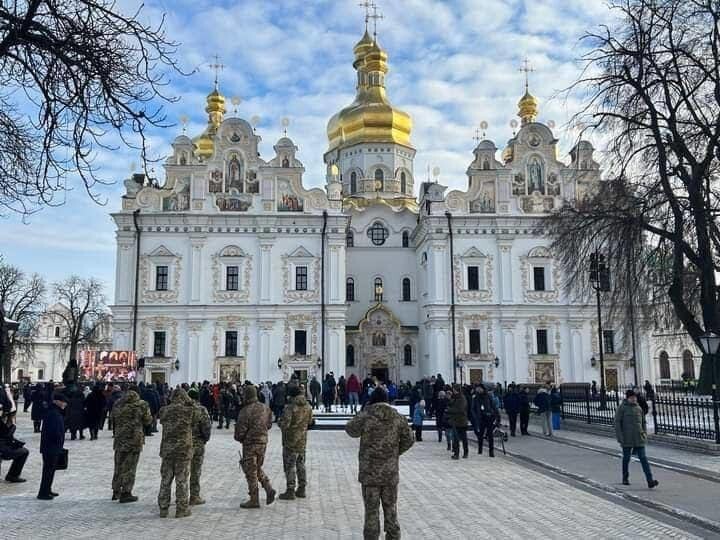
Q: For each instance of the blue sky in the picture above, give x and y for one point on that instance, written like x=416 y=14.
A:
x=453 y=64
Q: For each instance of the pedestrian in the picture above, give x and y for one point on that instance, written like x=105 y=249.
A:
x=511 y=403
x=353 y=389
x=315 y=389
x=39 y=407
x=278 y=400
x=202 y=426
x=631 y=433
x=524 y=406
x=649 y=391
x=251 y=430
x=555 y=407
x=27 y=396
x=130 y=416
x=384 y=436
x=12 y=449
x=75 y=415
x=417 y=420
x=487 y=417
x=542 y=402
x=94 y=407
x=441 y=415
x=294 y=423
x=342 y=393
x=52 y=441
x=457 y=413
x=176 y=450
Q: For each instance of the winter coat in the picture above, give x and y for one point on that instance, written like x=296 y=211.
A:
x=353 y=385
x=630 y=427
x=130 y=416
x=555 y=402
x=201 y=425
x=75 y=412
x=457 y=416
x=296 y=419
x=52 y=437
x=418 y=416
x=94 y=406
x=384 y=435
x=206 y=399
x=523 y=402
x=484 y=410
x=315 y=387
x=279 y=396
x=39 y=404
x=254 y=420
x=512 y=403
x=151 y=397
x=542 y=401
x=441 y=413
x=177 y=421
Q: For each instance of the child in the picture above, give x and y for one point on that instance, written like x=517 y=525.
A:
x=418 y=417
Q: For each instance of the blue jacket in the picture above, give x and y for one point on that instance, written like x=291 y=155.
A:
x=52 y=438
x=542 y=402
x=512 y=403
x=418 y=416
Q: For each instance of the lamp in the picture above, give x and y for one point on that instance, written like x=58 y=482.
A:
x=497 y=362
x=710 y=343
x=279 y=363
x=593 y=362
x=632 y=361
x=177 y=364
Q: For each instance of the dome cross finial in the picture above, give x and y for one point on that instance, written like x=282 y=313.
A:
x=217 y=67
x=527 y=69
x=375 y=17
x=367 y=6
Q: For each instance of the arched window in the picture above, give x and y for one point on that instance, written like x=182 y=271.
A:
x=350 y=290
x=406 y=289
x=486 y=164
x=377 y=233
x=378 y=288
x=688 y=365
x=664 y=365
x=403 y=182
x=407 y=355
x=57 y=331
x=285 y=162
x=405 y=239
x=349 y=356
x=379 y=180
x=350 y=239
x=353 y=182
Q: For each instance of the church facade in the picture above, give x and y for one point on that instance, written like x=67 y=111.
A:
x=233 y=269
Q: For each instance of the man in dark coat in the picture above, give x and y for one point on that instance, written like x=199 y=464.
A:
x=524 y=404
x=278 y=400
x=94 y=407
x=511 y=402
x=52 y=441
x=457 y=418
x=150 y=396
x=75 y=414
x=39 y=406
x=13 y=450
x=315 y=389
x=486 y=418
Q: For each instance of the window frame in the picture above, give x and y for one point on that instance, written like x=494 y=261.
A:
x=545 y=342
x=350 y=239
x=301 y=277
x=162 y=278
x=160 y=344
x=406 y=289
x=378 y=289
x=350 y=355
x=470 y=269
x=232 y=279
x=471 y=341
x=296 y=341
x=231 y=343
x=350 y=289
x=377 y=239
x=609 y=338
x=544 y=287
x=407 y=355
x=405 y=239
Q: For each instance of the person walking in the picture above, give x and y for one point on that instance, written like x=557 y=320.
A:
x=524 y=406
x=52 y=441
x=542 y=402
x=278 y=400
x=487 y=417
x=39 y=407
x=130 y=416
x=315 y=389
x=75 y=415
x=294 y=423
x=353 y=389
x=511 y=402
x=631 y=433
x=417 y=419
x=555 y=407
x=441 y=415
x=457 y=417
x=251 y=430
x=384 y=436
x=94 y=407
x=176 y=450
x=202 y=427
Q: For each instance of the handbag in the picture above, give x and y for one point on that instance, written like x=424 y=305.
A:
x=62 y=462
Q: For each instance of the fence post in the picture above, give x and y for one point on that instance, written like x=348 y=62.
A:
x=562 y=403
x=587 y=403
x=716 y=416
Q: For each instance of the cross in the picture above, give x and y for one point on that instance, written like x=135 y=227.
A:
x=367 y=5
x=217 y=67
x=375 y=16
x=527 y=70
x=476 y=138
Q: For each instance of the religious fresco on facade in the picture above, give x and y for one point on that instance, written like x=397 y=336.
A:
x=233 y=204
x=287 y=201
x=252 y=184
x=235 y=175
x=216 y=181
x=178 y=202
x=485 y=203
x=518 y=186
x=230 y=373
x=544 y=372
x=536 y=181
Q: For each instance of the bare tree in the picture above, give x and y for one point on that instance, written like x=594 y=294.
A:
x=72 y=73
x=652 y=85
x=21 y=300
x=82 y=309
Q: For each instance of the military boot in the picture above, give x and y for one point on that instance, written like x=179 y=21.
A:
x=115 y=495
x=269 y=492
x=252 y=502
x=196 y=500
x=182 y=512
x=289 y=495
x=127 y=497
x=300 y=492
x=163 y=512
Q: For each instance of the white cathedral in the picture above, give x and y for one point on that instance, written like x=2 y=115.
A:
x=233 y=270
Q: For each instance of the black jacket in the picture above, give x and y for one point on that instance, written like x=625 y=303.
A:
x=511 y=401
x=484 y=409
x=52 y=437
x=8 y=442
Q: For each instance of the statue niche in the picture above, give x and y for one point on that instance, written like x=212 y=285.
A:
x=235 y=176
x=536 y=182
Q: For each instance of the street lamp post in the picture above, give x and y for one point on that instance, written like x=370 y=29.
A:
x=600 y=279
x=710 y=343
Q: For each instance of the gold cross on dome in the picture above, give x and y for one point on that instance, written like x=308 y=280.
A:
x=367 y=5
x=527 y=70
x=217 y=67
x=376 y=17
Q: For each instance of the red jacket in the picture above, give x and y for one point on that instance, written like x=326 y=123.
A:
x=353 y=385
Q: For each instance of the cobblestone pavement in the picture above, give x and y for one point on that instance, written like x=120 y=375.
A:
x=439 y=498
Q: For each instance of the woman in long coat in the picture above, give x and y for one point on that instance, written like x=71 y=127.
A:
x=39 y=406
x=75 y=415
x=94 y=407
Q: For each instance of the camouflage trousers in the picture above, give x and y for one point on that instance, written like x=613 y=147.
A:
x=177 y=469
x=196 y=468
x=372 y=497
x=294 y=465
x=124 y=474
x=252 y=461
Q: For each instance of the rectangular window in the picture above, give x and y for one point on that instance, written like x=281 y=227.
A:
x=539 y=278
x=541 y=338
x=609 y=341
x=473 y=275
x=41 y=374
x=301 y=278
x=231 y=343
x=474 y=341
x=301 y=342
x=161 y=278
x=159 y=344
x=232 y=278
x=350 y=290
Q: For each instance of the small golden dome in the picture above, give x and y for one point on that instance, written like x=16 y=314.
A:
x=215 y=108
x=528 y=108
x=361 y=48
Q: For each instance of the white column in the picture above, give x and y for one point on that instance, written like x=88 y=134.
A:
x=576 y=372
x=194 y=357
x=335 y=274
x=265 y=271
x=439 y=273
x=124 y=270
x=505 y=273
x=263 y=368
x=508 y=350
x=196 y=268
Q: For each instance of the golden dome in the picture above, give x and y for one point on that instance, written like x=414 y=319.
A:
x=371 y=117
x=528 y=108
x=215 y=108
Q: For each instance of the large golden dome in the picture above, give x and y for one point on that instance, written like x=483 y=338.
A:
x=371 y=117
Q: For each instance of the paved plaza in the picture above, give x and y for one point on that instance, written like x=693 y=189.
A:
x=439 y=498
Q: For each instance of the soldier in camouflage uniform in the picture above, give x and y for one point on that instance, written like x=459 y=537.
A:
x=201 y=435
x=251 y=430
x=384 y=435
x=176 y=450
x=294 y=423
x=130 y=416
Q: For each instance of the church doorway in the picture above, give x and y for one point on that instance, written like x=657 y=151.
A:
x=381 y=374
x=302 y=376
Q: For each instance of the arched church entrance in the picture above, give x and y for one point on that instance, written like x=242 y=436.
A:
x=377 y=345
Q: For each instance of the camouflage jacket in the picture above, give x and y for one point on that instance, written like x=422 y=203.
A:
x=177 y=422
x=384 y=435
x=201 y=425
x=296 y=418
x=130 y=415
x=253 y=421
